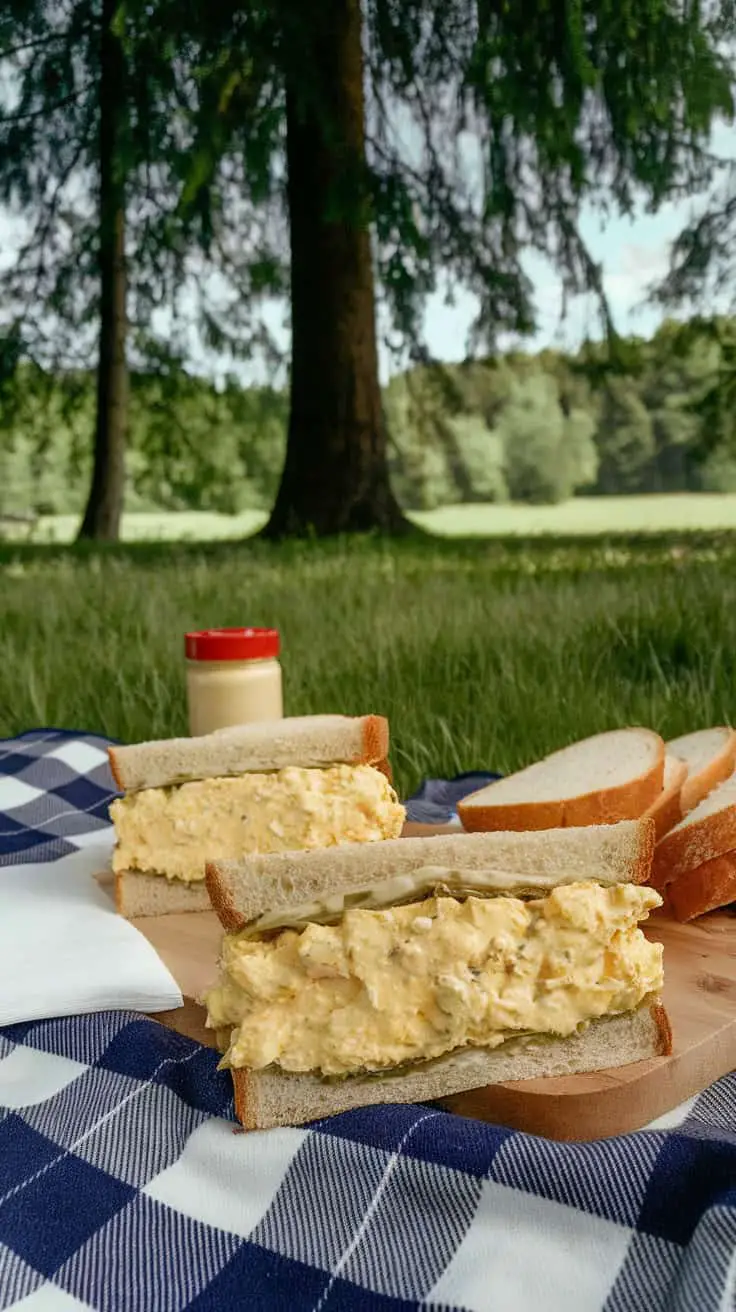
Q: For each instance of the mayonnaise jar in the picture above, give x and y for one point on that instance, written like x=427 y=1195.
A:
x=233 y=677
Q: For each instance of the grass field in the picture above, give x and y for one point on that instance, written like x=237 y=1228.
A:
x=483 y=654
x=584 y=516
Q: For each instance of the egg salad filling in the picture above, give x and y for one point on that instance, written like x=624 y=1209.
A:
x=388 y=987
x=177 y=830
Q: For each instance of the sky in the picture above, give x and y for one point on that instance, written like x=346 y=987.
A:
x=634 y=253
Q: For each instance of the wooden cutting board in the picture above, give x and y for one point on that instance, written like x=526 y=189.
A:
x=699 y=994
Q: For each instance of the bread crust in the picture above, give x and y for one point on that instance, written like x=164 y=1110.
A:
x=604 y=806
x=720 y=767
x=375 y=741
x=220 y=895
x=667 y=811
x=664 y=1029
x=649 y=1035
x=246 y=1099
x=647 y=845
x=687 y=849
x=115 y=769
x=704 y=889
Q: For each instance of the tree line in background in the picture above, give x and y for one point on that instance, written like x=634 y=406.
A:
x=333 y=155
x=530 y=428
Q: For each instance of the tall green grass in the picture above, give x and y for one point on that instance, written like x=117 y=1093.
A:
x=482 y=655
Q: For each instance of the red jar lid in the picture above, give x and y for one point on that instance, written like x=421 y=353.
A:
x=232 y=645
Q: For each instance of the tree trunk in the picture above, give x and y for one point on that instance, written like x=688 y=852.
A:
x=335 y=477
x=105 y=504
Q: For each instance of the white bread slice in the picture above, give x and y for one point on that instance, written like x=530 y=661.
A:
x=666 y=812
x=265 y=1099
x=611 y=776
x=307 y=740
x=710 y=757
x=243 y=890
x=138 y=894
x=706 y=832
x=707 y=888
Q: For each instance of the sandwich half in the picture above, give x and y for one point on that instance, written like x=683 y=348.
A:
x=414 y=969
x=304 y=782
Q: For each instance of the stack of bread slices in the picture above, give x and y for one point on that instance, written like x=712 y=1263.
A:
x=687 y=786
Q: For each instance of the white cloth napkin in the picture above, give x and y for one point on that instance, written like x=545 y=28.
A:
x=65 y=951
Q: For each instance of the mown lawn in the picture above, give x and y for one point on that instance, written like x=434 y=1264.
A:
x=583 y=516
x=482 y=654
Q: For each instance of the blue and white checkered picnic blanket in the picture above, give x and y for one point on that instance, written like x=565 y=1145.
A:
x=126 y=1186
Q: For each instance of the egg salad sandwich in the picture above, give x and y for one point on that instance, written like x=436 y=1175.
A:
x=417 y=968
x=275 y=786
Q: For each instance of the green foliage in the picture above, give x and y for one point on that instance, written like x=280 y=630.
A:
x=484 y=457
x=427 y=460
x=625 y=437
x=49 y=184
x=714 y=407
x=488 y=126
x=716 y=473
x=522 y=113
x=515 y=116
x=192 y=447
x=543 y=428
x=524 y=428
x=549 y=455
x=196 y=448
x=49 y=171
